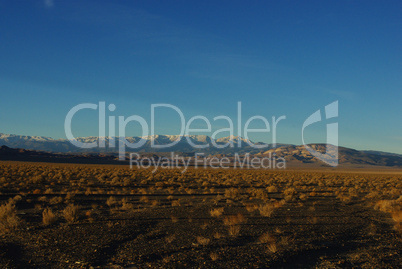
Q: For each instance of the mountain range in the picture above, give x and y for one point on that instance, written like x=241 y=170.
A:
x=184 y=144
x=48 y=149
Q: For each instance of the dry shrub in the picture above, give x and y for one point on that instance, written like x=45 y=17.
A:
x=395 y=208
x=279 y=204
x=272 y=247
x=8 y=217
x=155 y=203
x=303 y=197
x=36 y=191
x=284 y=241
x=71 y=213
x=261 y=194
x=48 y=217
x=398 y=226
x=395 y=192
x=278 y=230
x=313 y=194
x=267 y=210
x=56 y=200
x=111 y=201
x=176 y=203
x=397 y=217
x=345 y=198
x=42 y=199
x=203 y=241
x=126 y=205
x=372 y=195
x=17 y=198
x=70 y=196
x=232 y=193
x=272 y=189
x=144 y=199
x=214 y=256
x=234 y=230
x=89 y=215
x=386 y=205
x=234 y=219
x=266 y=238
x=218 y=235
x=290 y=191
x=216 y=212
x=251 y=207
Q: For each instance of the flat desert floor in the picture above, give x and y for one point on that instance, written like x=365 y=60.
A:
x=104 y=216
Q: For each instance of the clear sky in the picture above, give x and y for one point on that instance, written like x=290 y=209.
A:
x=276 y=57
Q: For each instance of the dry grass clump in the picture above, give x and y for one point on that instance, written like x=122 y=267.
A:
x=233 y=222
x=111 y=201
x=386 y=205
x=176 y=203
x=251 y=207
x=56 y=200
x=126 y=205
x=8 y=217
x=266 y=210
x=234 y=230
x=397 y=217
x=270 y=242
x=272 y=247
x=218 y=235
x=214 y=256
x=266 y=238
x=290 y=194
x=344 y=198
x=372 y=195
x=285 y=241
x=303 y=197
x=203 y=241
x=48 y=217
x=71 y=213
x=272 y=189
x=155 y=203
x=234 y=219
x=395 y=208
x=144 y=199
x=232 y=193
x=216 y=212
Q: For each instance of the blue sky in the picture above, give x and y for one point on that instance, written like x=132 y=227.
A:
x=276 y=57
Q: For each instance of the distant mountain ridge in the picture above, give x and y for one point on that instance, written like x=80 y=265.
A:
x=293 y=154
x=345 y=155
x=183 y=145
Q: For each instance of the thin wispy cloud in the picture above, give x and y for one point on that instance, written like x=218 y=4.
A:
x=48 y=3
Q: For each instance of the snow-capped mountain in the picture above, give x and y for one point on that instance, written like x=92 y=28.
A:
x=185 y=144
x=152 y=143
